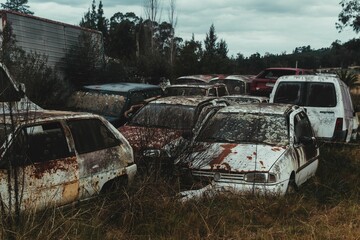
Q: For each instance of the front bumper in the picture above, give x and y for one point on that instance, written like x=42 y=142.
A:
x=214 y=188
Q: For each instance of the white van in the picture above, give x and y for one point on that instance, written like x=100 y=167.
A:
x=327 y=101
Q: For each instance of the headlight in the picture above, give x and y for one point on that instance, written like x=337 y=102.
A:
x=257 y=177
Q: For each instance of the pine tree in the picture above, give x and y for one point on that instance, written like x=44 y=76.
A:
x=17 y=6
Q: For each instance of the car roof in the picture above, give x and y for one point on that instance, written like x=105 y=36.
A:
x=43 y=116
x=120 y=87
x=263 y=108
x=207 y=86
x=246 y=78
x=182 y=100
x=310 y=78
x=261 y=98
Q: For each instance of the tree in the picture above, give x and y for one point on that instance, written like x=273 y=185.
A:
x=349 y=15
x=210 y=42
x=17 y=6
x=190 y=54
x=123 y=34
x=173 y=23
x=151 y=8
x=90 y=18
x=349 y=78
x=102 y=23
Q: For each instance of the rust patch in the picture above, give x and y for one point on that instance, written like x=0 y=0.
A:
x=249 y=157
x=226 y=151
x=53 y=166
x=254 y=153
x=262 y=164
x=276 y=149
x=70 y=192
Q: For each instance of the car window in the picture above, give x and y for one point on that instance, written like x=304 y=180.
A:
x=165 y=116
x=39 y=143
x=276 y=73
x=288 y=93
x=321 y=95
x=245 y=128
x=221 y=91
x=91 y=135
x=302 y=127
x=107 y=104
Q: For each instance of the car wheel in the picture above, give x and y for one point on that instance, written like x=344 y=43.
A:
x=114 y=185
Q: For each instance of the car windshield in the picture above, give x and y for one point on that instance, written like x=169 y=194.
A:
x=246 y=128
x=165 y=116
x=103 y=104
x=185 y=91
x=276 y=73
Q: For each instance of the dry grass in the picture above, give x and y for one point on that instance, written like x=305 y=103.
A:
x=327 y=207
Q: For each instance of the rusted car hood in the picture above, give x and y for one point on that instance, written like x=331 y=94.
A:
x=232 y=157
x=141 y=138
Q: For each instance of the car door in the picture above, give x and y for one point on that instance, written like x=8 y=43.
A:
x=39 y=168
x=321 y=105
x=100 y=154
x=306 y=148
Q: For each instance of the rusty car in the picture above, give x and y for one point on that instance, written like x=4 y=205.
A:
x=53 y=158
x=112 y=100
x=251 y=148
x=196 y=79
x=217 y=90
x=240 y=99
x=263 y=83
x=164 y=120
x=236 y=84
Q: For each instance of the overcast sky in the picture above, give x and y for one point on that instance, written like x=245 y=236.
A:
x=248 y=26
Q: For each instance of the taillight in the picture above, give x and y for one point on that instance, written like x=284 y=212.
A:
x=338 y=124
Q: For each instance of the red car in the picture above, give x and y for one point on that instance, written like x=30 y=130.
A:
x=263 y=83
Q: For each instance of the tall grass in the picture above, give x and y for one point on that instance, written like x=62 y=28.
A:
x=326 y=207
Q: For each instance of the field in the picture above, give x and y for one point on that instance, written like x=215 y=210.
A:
x=326 y=207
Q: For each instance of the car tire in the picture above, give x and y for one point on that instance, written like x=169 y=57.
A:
x=115 y=185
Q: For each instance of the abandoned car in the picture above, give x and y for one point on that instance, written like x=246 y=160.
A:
x=195 y=79
x=53 y=158
x=112 y=100
x=163 y=120
x=236 y=84
x=251 y=148
x=217 y=90
x=240 y=99
x=327 y=101
x=262 y=84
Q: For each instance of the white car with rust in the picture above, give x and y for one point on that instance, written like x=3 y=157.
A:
x=251 y=148
x=52 y=158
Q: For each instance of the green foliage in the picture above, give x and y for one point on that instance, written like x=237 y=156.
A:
x=17 y=6
x=349 y=15
x=84 y=62
x=42 y=83
x=348 y=77
x=43 y=86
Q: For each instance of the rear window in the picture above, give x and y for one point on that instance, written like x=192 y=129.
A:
x=165 y=116
x=288 y=93
x=315 y=94
x=321 y=95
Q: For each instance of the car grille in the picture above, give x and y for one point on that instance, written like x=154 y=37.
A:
x=225 y=177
